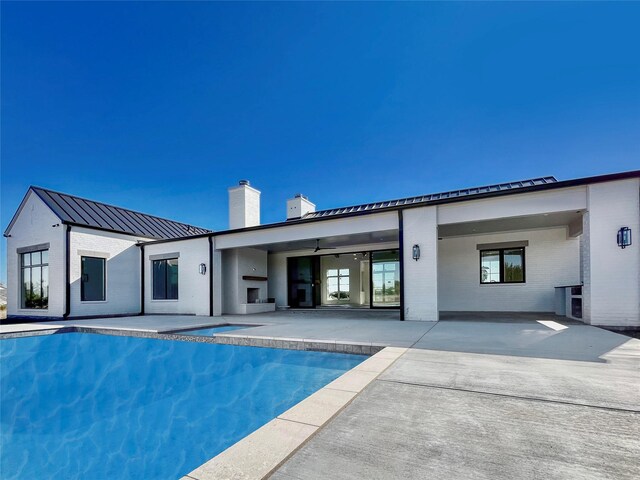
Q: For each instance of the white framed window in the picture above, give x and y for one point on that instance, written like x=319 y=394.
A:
x=502 y=265
x=338 y=284
x=34 y=274
x=165 y=279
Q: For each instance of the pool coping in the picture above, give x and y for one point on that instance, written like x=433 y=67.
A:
x=261 y=453
x=231 y=338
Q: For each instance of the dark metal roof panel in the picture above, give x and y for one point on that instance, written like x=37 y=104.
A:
x=51 y=202
x=110 y=219
x=80 y=211
x=102 y=217
x=465 y=192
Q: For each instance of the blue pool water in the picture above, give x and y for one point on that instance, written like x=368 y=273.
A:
x=208 y=332
x=96 y=407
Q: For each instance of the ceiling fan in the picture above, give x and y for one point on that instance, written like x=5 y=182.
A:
x=318 y=247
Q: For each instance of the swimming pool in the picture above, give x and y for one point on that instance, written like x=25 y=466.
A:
x=81 y=405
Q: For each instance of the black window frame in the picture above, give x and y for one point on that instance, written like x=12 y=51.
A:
x=501 y=255
x=44 y=305
x=104 y=279
x=165 y=279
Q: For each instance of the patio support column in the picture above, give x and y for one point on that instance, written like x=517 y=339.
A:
x=420 y=227
x=216 y=283
x=610 y=274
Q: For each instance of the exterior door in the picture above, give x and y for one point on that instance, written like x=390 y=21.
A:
x=302 y=273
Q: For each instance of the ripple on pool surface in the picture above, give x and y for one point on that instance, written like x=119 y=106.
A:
x=98 y=406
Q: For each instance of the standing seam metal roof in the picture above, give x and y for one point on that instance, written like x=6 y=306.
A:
x=465 y=192
x=92 y=214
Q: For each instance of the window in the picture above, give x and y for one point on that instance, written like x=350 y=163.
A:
x=504 y=265
x=338 y=284
x=92 y=279
x=34 y=268
x=165 y=279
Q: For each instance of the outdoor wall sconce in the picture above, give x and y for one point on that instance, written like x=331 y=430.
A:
x=416 y=252
x=203 y=269
x=624 y=237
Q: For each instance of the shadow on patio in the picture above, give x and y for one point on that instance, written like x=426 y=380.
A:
x=525 y=335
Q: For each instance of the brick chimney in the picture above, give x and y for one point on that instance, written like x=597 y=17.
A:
x=244 y=206
x=299 y=206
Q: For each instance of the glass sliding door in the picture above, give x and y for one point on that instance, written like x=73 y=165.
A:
x=385 y=278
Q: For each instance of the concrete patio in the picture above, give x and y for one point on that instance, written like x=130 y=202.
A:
x=490 y=400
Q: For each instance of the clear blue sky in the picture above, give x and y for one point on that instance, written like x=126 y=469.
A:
x=160 y=107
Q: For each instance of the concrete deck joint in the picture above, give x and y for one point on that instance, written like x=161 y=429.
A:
x=519 y=397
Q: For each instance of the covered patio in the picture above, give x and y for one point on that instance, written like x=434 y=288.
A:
x=349 y=263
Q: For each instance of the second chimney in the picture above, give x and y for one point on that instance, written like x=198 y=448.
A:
x=244 y=206
x=299 y=206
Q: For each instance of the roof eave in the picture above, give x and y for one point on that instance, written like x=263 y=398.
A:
x=104 y=229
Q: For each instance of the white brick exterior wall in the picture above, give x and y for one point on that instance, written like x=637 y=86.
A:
x=612 y=274
x=193 y=287
x=34 y=226
x=551 y=259
x=122 y=271
x=421 y=277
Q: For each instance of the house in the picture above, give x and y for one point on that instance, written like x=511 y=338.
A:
x=537 y=245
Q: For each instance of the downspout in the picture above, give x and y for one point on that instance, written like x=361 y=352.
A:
x=401 y=258
x=141 y=245
x=67 y=290
x=210 y=275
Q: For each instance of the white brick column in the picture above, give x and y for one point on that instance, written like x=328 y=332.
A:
x=216 y=271
x=611 y=275
x=585 y=268
x=420 y=227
